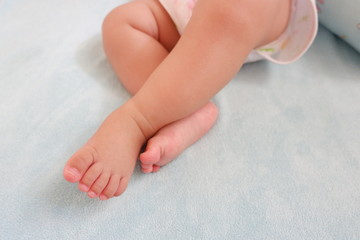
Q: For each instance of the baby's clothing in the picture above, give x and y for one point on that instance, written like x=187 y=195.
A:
x=290 y=46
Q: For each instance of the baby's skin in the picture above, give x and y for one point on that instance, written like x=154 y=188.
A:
x=172 y=79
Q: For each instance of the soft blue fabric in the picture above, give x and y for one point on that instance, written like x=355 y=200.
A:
x=343 y=18
x=282 y=162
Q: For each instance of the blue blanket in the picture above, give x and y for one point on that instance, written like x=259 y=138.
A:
x=282 y=162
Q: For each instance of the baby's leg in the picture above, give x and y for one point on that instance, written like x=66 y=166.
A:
x=104 y=165
x=216 y=42
x=135 y=49
x=206 y=57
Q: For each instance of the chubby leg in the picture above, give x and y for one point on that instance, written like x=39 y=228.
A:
x=215 y=44
x=135 y=49
x=137 y=37
x=105 y=163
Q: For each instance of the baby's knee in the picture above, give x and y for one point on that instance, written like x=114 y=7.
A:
x=136 y=14
x=114 y=18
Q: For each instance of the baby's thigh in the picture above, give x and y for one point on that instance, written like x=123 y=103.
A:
x=147 y=16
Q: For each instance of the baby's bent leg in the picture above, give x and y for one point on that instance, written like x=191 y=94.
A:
x=216 y=42
x=104 y=165
x=135 y=46
x=137 y=37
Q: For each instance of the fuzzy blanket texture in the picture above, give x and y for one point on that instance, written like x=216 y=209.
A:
x=282 y=162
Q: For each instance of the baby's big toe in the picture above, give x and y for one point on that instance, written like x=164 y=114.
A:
x=71 y=174
x=78 y=164
x=151 y=155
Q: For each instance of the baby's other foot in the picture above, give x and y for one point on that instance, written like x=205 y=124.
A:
x=105 y=164
x=174 y=138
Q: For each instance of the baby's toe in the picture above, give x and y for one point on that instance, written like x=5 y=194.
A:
x=122 y=186
x=151 y=155
x=99 y=185
x=146 y=168
x=78 y=164
x=149 y=170
x=90 y=176
x=111 y=187
x=156 y=168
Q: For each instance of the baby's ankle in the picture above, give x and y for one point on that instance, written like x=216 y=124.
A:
x=145 y=126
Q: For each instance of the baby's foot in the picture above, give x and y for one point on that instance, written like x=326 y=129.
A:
x=105 y=164
x=174 y=138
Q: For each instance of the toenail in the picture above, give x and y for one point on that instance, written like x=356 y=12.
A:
x=83 y=187
x=103 y=197
x=73 y=171
x=147 y=170
x=92 y=194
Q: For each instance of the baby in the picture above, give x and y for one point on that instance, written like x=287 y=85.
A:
x=173 y=56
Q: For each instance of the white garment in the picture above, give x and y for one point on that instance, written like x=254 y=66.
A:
x=290 y=46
